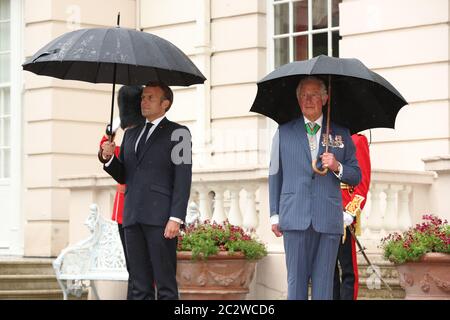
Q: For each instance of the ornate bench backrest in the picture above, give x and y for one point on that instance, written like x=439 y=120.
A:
x=99 y=257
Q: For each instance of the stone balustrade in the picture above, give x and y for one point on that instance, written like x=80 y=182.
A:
x=218 y=196
x=396 y=200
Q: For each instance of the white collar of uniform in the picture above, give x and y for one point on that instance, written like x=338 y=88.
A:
x=156 y=121
x=318 y=121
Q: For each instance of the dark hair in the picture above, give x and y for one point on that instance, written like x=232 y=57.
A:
x=129 y=101
x=168 y=94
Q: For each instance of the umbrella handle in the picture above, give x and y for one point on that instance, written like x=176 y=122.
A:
x=323 y=172
x=316 y=170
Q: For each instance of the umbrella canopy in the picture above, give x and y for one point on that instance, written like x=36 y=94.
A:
x=114 y=55
x=92 y=55
x=360 y=99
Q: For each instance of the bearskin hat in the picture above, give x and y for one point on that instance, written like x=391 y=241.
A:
x=129 y=101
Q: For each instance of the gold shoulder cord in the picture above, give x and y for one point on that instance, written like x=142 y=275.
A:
x=354 y=208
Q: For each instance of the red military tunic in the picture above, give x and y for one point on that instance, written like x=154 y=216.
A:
x=350 y=202
x=354 y=198
x=117 y=213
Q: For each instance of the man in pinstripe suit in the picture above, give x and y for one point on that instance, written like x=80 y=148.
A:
x=306 y=208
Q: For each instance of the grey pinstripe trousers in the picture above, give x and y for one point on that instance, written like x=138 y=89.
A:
x=312 y=256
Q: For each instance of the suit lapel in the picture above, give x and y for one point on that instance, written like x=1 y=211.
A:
x=152 y=137
x=300 y=131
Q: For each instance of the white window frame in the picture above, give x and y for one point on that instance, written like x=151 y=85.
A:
x=16 y=219
x=291 y=34
x=3 y=179
x=15 y=85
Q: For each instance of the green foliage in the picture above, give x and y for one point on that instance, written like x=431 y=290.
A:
x=205 y=239
x=433 y=235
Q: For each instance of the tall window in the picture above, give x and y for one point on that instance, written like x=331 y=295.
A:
x=5 y=84
x=303 y=29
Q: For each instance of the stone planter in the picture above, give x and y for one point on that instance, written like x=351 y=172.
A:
x=426 y=279
x=220 y=277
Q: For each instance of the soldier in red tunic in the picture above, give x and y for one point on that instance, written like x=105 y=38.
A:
x=129 y=101
x=353 y=200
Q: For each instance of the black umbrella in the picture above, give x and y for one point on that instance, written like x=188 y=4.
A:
x=359 y=98
x=114 y=55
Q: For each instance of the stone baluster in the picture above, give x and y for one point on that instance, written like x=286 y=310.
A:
x=376 y=219
x=390 y=222
x=235 y=214
x=219 y=210
x=204 y=203
x=404 y=215
x=250 y=215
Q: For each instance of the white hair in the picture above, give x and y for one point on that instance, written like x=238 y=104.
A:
x=323 y=88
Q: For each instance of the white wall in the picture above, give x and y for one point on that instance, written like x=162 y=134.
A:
x=407 y=42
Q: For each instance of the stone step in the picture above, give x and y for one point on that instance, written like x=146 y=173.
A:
x=18 y=265
x=50 y=294
x=28 y=282
x=370 y=287
x=28 y=278
x=373 y=288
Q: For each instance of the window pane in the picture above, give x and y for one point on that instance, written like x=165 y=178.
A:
x=335 y=42
x=4 y=36
x=4 y=10
x=282 y=18
x=335 y=13
x=320 y=44
x=320 y=14
x=301 y=16
x=6 y=132
x=301 y=48
x=4 y=67
x=6 y=163
x=281 y=51
x=5 y=109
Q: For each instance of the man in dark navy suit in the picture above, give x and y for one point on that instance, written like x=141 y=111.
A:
x=155 y=163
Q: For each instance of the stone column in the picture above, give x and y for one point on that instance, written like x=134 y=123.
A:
x=439 y=189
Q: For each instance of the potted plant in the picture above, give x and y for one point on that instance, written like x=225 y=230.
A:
x=422 y=258
x=216 y=261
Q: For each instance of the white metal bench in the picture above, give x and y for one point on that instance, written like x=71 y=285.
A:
x=99 y=257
